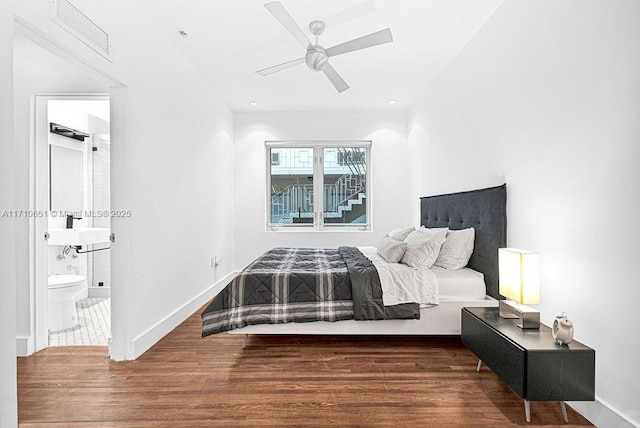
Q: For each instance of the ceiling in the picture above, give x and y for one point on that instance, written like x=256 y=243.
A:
x=230 y=39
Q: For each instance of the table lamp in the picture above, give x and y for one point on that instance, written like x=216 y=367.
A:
x=520 y=282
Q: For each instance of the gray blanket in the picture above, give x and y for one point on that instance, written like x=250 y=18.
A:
x=302 y=285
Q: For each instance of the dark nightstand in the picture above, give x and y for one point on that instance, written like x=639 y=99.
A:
x=530 y=361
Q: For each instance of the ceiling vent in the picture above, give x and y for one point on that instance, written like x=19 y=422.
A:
x=69 y=17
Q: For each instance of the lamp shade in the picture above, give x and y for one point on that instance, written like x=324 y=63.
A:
x=519 y=275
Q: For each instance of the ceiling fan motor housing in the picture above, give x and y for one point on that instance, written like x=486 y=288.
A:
x=316 y=58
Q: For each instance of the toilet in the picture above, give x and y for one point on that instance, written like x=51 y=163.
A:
x=64 y=291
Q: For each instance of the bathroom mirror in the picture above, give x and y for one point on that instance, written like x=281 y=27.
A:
x=66 y=179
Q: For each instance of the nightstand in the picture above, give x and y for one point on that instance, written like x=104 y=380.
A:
x=533 y=365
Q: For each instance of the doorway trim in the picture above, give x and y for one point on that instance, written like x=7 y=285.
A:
x=121 y=345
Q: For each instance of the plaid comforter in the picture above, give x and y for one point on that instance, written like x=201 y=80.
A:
x=301 y=285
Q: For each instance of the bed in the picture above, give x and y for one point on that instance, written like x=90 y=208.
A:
x=359 y=311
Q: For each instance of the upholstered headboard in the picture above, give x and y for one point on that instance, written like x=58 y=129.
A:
x=486 y=211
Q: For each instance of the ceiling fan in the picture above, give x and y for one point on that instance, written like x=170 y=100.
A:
x=317 y=57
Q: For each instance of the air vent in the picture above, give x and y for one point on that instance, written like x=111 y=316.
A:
x=69 y=17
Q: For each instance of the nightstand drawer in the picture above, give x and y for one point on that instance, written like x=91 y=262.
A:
x=501 y=355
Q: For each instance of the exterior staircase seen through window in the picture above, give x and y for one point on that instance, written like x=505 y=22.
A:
x=344 y=202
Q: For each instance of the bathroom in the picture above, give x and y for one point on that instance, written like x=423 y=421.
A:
x=78 y=221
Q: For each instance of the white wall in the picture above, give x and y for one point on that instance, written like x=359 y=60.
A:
x=389 y=157
x=8 y=400
x=547 y=97
x=172 y=143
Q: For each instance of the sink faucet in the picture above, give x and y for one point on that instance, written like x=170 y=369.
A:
x=70 y=218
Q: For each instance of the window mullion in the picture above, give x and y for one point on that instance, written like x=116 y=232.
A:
x=318 y=184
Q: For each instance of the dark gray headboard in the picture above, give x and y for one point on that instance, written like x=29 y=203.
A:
x=486 y=211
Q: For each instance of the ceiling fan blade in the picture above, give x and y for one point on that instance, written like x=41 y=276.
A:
x=280 y=67
x=357 y=11
x=373 y=39
x=337 y=81
x=277 y=9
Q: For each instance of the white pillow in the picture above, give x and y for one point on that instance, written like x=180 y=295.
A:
x=423 y=246
x=456 y=250
x=391 y=249
x=433 y=231
x=400 y=234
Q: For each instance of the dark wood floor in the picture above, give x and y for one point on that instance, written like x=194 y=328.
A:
x=276 y=381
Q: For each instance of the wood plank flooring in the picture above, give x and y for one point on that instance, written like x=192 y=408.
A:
x=275 y=381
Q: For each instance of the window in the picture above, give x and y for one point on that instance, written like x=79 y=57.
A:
x=333 y=176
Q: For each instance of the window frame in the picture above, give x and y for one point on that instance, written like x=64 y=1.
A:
x=318 y=147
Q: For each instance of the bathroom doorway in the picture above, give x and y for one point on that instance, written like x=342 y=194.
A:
x=43 y=66
x=71 y=180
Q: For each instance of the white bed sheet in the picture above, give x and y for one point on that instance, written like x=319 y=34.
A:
x=401 y=283
x=460 y=284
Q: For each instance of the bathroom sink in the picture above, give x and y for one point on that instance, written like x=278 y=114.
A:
x=79 y=236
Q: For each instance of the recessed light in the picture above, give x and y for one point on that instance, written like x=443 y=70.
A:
x=254 y=103
x=392 y=102
x=182 y=33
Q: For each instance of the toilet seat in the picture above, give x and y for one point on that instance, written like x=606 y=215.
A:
x=60 y=281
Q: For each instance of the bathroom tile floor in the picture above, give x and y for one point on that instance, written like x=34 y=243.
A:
x=94 y=325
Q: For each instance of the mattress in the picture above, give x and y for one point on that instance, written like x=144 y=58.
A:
x=460 y=284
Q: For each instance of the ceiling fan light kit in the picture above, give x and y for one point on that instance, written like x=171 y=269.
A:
x=317 y=57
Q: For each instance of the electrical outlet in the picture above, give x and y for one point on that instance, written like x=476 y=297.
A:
x=213 y=262
x=216 y=261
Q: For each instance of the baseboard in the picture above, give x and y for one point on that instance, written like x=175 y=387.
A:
x=150 y=337
x=24 y=346
x=601 y=414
